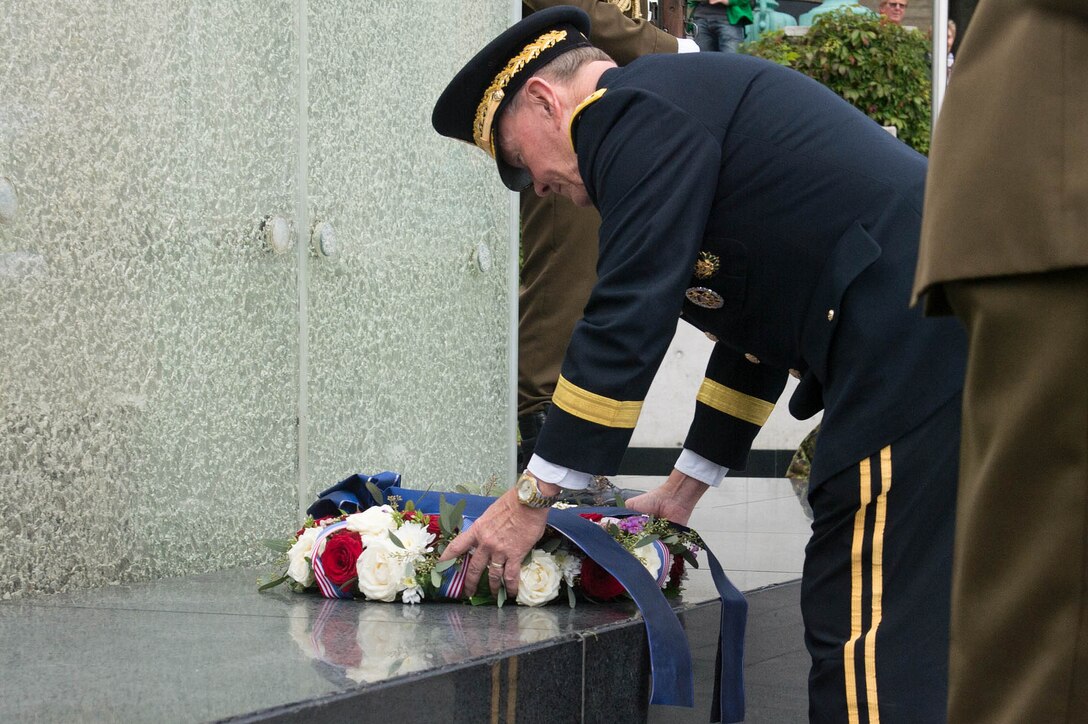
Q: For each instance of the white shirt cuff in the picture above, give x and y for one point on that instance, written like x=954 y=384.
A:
x=696 y=466
x=558 y=475
x=686 y=45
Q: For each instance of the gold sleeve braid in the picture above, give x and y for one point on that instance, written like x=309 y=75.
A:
x=732 y=402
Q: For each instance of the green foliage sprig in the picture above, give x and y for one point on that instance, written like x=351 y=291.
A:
x=883 y=69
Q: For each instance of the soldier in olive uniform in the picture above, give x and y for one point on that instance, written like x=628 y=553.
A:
x=1005 y=246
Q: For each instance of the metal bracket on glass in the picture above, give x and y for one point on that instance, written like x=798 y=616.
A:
x=323 y=240
x=277 y=234
x=482 y=256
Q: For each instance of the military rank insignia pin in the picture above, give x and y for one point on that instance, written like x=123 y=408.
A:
x=705 y=298
x=707 y=265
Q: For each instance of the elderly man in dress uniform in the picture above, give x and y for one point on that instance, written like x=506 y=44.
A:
x=755 y=204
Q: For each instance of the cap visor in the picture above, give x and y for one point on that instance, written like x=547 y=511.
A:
x=516 y=179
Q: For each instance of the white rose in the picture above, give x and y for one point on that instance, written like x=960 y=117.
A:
x=539 y=580
x=648 y=556
x=372 y=524
x=298 y=567
x=381 y=572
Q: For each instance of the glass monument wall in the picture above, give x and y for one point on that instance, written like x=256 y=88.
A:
x=181 y=369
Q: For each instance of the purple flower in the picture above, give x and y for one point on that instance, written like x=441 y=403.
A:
x=633 y=524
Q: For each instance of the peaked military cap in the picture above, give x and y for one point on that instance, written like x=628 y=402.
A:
x=469 y=108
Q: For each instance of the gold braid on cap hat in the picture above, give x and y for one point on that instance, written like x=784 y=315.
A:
x=485 y=112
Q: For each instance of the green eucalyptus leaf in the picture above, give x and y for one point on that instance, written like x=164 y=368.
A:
x=272 y=584
x=443 y=565
x=647 y=540
x=444 y=509
x=457 y=517
x=500 y=597
x=436 y=577
x=396 y=540
x=277 y=544
x=375 y=493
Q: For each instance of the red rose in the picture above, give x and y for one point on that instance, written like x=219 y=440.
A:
x=342 y=550
x=433 y=526
x=594 y=517
x=599 y=583
x=676 y=573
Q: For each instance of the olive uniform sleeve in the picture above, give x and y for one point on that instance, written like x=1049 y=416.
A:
x=619 y=29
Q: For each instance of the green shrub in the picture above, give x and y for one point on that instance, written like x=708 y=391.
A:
x=880 y=67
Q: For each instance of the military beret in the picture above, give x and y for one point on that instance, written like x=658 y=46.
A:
x=468 y=110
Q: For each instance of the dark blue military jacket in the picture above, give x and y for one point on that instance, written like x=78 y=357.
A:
x=757 y=205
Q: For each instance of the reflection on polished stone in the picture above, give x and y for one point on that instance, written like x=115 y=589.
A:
x=367 y=643
x=209 y=647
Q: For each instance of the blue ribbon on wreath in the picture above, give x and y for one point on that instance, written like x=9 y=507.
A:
x=672 y=682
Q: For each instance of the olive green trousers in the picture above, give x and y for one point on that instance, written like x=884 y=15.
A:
x=1019 y=629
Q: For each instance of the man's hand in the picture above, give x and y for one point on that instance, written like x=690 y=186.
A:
x=501 y=538
x=673 y=500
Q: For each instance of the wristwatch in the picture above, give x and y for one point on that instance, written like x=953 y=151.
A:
x=529 y=494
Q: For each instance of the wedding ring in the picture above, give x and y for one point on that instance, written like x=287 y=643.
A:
x=496 y=566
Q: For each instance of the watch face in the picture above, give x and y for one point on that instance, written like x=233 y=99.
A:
x=525 y=488
x=529 y=493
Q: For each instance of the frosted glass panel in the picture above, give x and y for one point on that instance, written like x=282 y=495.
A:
x=408 y=339
x=148 y=365
x=171 y=391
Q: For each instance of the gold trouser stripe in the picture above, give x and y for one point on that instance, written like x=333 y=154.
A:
x=878 y=581
x=593 y=407
x=735 y=403
x=857 y=583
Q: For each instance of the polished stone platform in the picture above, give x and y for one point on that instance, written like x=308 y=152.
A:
x=211 y=648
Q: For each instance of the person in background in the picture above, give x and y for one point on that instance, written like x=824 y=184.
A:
x=760 y=207
x=559 y=243
x=893 y=10
x=951 y=42
x=718 y=25
x=1005 y=247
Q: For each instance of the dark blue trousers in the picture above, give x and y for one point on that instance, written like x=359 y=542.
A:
x=875 y=595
